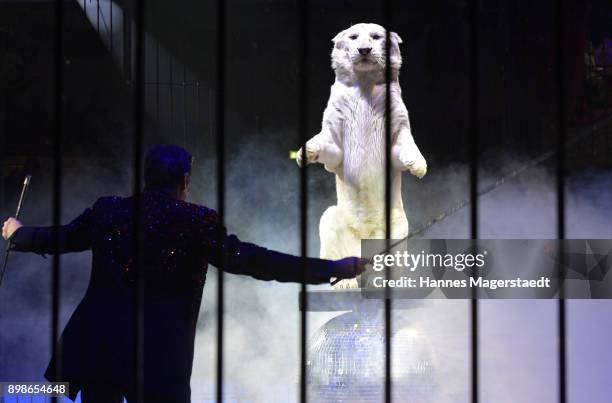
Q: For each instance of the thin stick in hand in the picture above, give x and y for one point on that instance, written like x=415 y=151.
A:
x=24 y=189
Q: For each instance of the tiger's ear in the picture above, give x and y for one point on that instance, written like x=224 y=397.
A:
x=396 y=38
x=338 y=36
x=338 y=40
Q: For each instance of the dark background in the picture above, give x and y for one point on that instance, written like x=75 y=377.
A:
x=517 y=74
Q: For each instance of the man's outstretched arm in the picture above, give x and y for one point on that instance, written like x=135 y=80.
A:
x=230 y=254
x=73 y=237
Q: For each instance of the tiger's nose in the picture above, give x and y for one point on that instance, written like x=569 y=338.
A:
x=364 y=51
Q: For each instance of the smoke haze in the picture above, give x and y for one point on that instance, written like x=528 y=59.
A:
x=518 y=339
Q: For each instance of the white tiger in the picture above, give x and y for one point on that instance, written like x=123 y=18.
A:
x=351 y=144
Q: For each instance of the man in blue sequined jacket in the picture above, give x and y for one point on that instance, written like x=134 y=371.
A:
x=98 y=349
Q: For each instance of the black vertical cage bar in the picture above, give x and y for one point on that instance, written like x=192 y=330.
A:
x=303 y=133
x=211 y=122
x=126 y=40
x=157 y=83
x=184 y=106
x=560 y=11
x=171 y=88
x=198 y=119
x=221 y=84
x=474 y=149
x=138 y=88
x=110 y=32
x=57 y=184
x=388 y=116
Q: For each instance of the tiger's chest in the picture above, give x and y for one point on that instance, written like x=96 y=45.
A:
x=363 y=135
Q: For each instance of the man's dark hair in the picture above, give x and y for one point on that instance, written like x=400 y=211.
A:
x=166 y=166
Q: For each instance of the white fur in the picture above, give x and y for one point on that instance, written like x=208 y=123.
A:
x=351 y=144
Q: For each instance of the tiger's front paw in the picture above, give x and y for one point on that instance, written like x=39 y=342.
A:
x=415 y=164
x=419 y=168
x=312 y=154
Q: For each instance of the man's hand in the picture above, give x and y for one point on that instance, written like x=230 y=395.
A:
x=349 y=267
x=10 y=226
